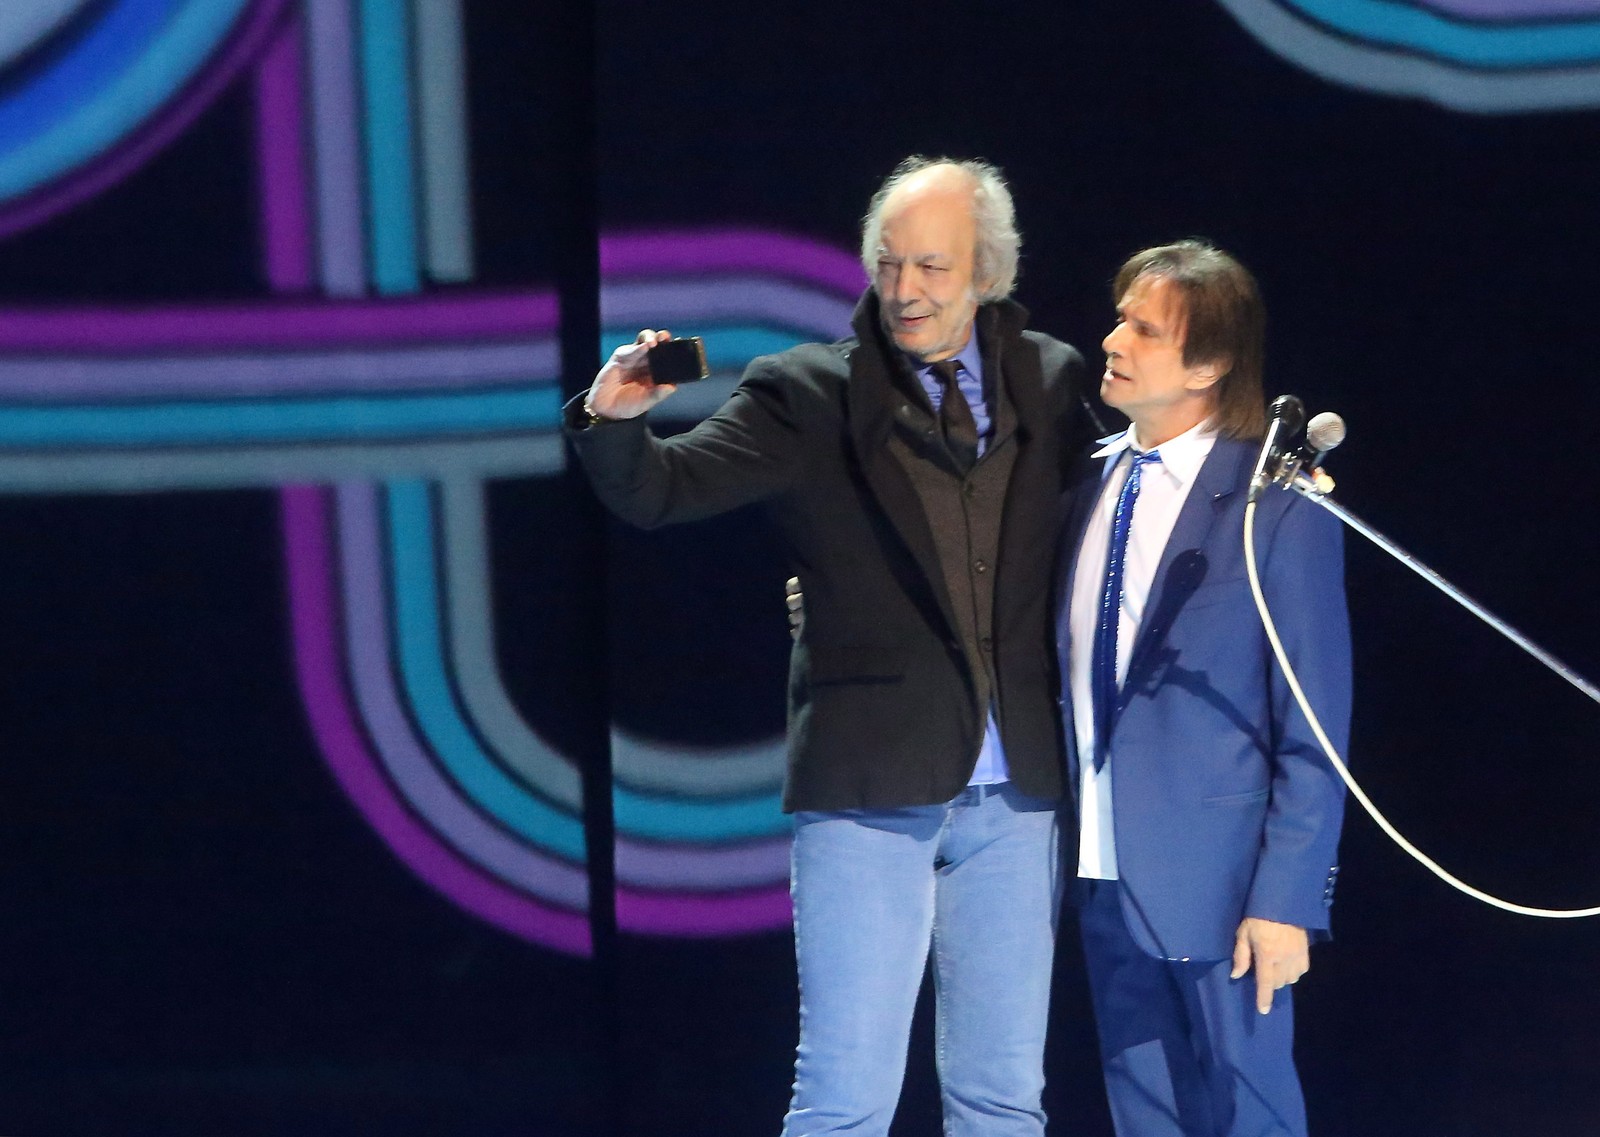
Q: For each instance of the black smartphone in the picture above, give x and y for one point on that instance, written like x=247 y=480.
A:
x=678 y=361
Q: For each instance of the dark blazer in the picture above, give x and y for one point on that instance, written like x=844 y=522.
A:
x=1224 y=805
x=882 y=703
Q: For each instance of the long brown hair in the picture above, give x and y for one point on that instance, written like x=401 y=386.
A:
x=1224 y=323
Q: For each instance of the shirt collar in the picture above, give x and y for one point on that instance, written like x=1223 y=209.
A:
x=1181 y=457
x=970 y=357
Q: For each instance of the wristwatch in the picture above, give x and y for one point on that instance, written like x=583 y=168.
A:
x=588 y=417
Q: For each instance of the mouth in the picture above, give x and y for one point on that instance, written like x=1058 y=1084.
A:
x=1112 y=376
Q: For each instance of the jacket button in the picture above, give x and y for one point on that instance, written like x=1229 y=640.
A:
x=987 y=644
x=979 y=567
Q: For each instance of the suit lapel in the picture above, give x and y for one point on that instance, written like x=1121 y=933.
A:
x=1012 y=369
x=874 y=401
x=1216 y=482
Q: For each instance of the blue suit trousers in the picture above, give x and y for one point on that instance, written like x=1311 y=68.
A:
x=1185 y=1052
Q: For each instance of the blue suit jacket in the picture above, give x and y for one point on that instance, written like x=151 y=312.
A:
x=1224 y=805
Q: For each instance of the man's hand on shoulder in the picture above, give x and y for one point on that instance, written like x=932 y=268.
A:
x=1280 y=954
x=624 y=387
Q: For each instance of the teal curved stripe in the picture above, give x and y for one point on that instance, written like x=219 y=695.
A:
x=281 y=420
x=727 y=348
x=88 y=122
x=679 y=819
x=1472 y=45
x=391 y=156
x=413 y=549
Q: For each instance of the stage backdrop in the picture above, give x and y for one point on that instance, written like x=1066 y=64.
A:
x=363 y=777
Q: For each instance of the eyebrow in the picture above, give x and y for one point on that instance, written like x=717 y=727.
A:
x=885 y=255
x=1122 y=314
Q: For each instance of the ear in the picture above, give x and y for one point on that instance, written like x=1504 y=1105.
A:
x=1203 y=376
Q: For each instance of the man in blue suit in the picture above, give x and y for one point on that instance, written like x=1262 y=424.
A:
x=1209 y=815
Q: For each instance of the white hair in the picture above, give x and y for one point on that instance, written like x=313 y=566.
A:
x=994 y=263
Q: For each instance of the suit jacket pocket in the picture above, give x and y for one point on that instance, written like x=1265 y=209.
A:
x=857 y=663
x=1237 y=799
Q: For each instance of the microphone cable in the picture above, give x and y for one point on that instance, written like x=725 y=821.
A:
x=1344 y=772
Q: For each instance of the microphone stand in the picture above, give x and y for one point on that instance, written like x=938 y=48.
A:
x=1307 y=486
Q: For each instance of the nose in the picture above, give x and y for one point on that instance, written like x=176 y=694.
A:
x=903 y=285
x=1110 y=342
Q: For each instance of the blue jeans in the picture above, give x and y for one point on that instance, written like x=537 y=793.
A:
x=978 y=881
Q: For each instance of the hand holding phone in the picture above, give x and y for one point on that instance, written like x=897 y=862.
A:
x=642 y=373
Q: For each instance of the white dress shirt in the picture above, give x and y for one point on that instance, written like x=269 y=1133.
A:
x=1163 y=488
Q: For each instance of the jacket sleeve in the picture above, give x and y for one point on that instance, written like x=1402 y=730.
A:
x=1078 y=415
x=749 y=450
x=1302 y=578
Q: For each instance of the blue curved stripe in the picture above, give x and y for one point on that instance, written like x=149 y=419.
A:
x=112 y=80
x=678 y=819
x=418 y=619
x=1497 y=46
x=727 y=348
x=106 y=48
x=391 y=157
x=280 y=420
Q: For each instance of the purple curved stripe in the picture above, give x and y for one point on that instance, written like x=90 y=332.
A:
x=255 y=30
x=725 y=299
x=723 y=250
x=336 y=144
x=692 y=915
x=315 y=621
x=413 y=769
x=1511 y=11
x=278 y=324
x=698 y=869
x=285 y=180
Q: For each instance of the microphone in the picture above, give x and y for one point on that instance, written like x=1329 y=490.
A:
x=1302 y=468
x=1324 y=432
x=1286 y=414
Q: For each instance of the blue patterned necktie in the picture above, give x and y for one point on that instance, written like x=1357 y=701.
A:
x=1103 y=664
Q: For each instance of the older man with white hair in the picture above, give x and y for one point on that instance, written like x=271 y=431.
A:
x=914 y=471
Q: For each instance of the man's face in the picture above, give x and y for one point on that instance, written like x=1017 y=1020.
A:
x=924 y=271
x=1145 y=377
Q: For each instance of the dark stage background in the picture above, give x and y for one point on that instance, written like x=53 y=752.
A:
x=204 y=935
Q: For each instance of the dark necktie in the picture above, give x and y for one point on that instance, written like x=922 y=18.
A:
x=1103 y=664
x=960 y=429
